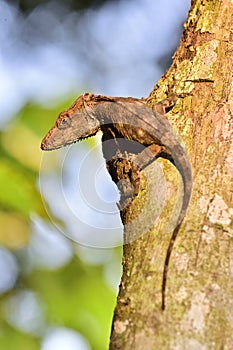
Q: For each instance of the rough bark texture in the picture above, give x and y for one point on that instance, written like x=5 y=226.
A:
x=199 y=304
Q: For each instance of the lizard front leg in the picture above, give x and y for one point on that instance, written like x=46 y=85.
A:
x=125 y=160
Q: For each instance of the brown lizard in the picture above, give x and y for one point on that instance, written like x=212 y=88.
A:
x=122 y=118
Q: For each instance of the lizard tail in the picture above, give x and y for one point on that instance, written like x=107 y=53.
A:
x=184 y=167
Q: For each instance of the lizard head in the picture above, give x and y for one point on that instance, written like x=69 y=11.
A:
x=74 y=124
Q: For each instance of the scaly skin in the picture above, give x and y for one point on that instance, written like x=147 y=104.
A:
x=131 y=119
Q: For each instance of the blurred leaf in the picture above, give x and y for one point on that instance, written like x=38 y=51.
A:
x=23 y=137
x=23 y=145
x=78 y=296
x=75 y=296
x=14 y=231
x=40 y=119
x=17 y=190
x=11 y=339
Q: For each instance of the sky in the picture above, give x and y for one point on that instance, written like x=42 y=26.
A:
x=116 y=49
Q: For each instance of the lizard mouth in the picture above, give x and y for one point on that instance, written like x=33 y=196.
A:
x=50 y=146
x=45 y=146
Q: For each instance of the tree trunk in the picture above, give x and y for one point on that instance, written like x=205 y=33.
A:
x=199 y=295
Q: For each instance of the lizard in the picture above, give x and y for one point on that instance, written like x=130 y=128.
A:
x=127 y=118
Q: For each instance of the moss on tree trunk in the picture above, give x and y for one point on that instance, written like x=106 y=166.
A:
x=199 y=301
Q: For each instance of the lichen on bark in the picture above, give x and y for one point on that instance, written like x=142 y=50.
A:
x=199 y=313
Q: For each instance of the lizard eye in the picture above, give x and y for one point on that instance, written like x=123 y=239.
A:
x=64 y=122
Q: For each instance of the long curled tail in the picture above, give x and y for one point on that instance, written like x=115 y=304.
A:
x=183 y=165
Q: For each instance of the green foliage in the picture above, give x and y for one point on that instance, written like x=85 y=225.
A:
x=78 y=295
x=12 y=339
x=17 y=189
x=75 y=296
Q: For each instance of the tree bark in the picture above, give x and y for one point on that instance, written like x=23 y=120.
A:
x=199 y=295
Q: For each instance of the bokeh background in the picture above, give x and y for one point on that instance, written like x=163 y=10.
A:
x=60 y=231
